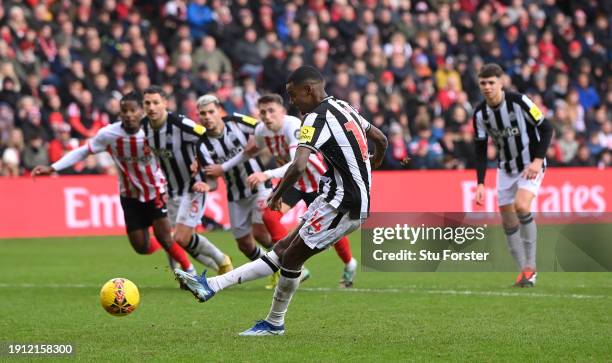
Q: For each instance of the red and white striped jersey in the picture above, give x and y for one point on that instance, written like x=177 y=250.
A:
x=140 y=174
x=282 y=145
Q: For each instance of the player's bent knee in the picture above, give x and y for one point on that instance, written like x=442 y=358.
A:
x=139 y=241
x=140 y=248
x=522 y=207
x=183 y=238
x=293 y=258
x=245 y=244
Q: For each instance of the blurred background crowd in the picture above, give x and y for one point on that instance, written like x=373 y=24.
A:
x=410 y=67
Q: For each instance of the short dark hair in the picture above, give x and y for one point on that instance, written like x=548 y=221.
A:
x=151 y=90
x=304 y=74
x=270 y=98
x=490 y=70
x=131 y=96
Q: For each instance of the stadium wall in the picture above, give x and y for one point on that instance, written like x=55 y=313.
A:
x=89 y=205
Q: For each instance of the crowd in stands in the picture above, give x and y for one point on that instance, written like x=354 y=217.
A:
x=410 y=67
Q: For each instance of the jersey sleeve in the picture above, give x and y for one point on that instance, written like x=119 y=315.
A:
x=480 y=131
x=100 y=141
x=259 y=138
x=193 y=131
x=73 y=157
x=365 y=124
x=246 y=124
x=314 y=132
x=531 y=110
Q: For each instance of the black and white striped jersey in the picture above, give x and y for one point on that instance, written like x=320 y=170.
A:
x=174 y=144
x=231 y=142
x=513 y=127
x=338 y=131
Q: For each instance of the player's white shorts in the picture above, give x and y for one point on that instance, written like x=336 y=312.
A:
x=187 y=209
x=509 y=184
x=324 y=225
x=247 y=211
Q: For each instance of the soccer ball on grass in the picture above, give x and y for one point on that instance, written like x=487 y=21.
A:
x=119 y=297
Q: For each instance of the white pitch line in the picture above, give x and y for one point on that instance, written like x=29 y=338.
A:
x=457 y=292
x=412 y=289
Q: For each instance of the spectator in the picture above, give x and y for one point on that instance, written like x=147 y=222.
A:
x=199 y=16
x=397 y=152
x=247 y=56
x=8 y=93
x=35 y=152
x=404 y=62
x=583 y=157
x=274 y=69
x=425 y=151
x=586 y=92
x=83 y=118
x=568 y=145
x=605 y=159
x=7 y=117
x=209 y=56
x=10 y=163
x=62 y=143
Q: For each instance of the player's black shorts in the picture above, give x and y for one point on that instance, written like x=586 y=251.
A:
x=292 y=196
x=139 y=215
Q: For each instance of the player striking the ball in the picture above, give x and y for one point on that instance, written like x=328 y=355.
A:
x=338 y=132
x=279 y=133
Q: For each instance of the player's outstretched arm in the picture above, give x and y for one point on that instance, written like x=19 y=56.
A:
x=250 y=151
x=68 y=160
x=279 y=172
x=380 y=143
x=293 y=173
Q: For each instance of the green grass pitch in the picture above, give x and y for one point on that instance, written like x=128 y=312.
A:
x=49 y=294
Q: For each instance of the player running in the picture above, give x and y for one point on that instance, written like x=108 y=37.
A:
x=521 y=135
x=173 y=139
x=142 y=185
x=338 y=132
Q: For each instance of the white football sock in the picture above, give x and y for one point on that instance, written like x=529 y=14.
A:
x=529 y=234
x=262 y=267
x=201 y=246
x=286 y=287
x=515 y=244
x=257 y=253
x=351 y=265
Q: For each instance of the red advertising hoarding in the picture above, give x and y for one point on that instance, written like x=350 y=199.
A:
x=89 y=205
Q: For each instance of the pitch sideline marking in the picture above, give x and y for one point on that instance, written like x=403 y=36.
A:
x=412 y=290
x=456 y=292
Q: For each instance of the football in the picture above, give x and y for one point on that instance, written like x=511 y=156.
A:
x=119 y=297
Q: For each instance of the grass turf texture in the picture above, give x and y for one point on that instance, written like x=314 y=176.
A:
x=49 y=292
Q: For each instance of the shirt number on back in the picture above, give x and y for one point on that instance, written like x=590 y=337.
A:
x=355 y=129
